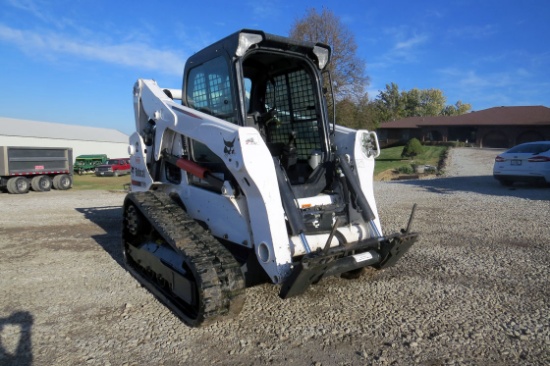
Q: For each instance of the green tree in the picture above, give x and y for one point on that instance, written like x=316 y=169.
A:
x=412 y=103
x=457 y=109
x=356 y=114
x=417 y=103
x=390 y=103
x=432 y=102
x=346 y=111
x=366 y=116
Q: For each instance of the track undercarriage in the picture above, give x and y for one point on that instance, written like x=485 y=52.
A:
x=179 y=261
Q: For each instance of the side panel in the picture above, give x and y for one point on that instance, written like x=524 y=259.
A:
x=35 y=160
x=141 y=180
x=226 y=217
x=352 y=142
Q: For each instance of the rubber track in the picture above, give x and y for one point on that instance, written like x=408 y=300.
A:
x=218 y=275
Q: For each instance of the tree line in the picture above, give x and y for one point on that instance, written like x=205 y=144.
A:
x=353 y=106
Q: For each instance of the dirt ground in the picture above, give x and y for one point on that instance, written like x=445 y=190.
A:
x=473 y=290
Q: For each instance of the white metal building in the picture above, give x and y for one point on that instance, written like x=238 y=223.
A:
x=84 y=140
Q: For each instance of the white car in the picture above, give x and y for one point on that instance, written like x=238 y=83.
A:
x=528 y=162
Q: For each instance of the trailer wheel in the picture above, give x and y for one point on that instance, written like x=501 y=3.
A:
x=18 y=185
x=41 y=183
x=62 y=182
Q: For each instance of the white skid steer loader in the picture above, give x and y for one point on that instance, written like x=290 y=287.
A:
x=240 y=178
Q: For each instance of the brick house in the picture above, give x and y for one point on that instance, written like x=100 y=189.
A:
x=498 y=127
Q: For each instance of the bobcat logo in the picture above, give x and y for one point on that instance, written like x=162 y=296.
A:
x=229 y=149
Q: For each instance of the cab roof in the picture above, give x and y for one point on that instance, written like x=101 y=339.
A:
x=249 y=38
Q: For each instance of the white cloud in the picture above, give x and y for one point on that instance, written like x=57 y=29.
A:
x=39 y=10
x=475 y=80
x=56 y=45
x=523 y=72
x=407 y=44
x=411 y=42
x=29 y=6
x=474 y=32
x=489 y=89
x=265 y=9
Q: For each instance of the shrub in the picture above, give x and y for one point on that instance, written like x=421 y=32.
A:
x=405 y=169
x=412 y=148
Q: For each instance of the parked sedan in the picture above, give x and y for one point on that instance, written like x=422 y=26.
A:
x=528 y=162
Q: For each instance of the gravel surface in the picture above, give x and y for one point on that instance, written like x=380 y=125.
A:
x=473 y=290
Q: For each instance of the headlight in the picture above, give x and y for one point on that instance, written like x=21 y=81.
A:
x=323 y=56
x=246 y=40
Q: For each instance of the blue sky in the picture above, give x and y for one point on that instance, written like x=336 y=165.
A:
x=75 y=61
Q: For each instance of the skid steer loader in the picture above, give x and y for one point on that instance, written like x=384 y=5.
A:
x=239 y=178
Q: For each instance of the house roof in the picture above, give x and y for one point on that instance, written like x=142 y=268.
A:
x=524 y=115
x=26 y=128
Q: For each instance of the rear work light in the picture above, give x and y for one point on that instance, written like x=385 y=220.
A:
x=539 y=159
x=500 y=159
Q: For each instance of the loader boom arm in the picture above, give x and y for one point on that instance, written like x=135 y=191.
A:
x=248 y=161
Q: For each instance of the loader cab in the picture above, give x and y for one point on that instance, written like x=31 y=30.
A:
x=270 y=83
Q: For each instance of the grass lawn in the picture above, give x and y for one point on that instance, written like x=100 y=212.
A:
x=390 y=158
x=93 y=182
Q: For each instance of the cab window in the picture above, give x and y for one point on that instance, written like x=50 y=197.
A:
x=209 y=90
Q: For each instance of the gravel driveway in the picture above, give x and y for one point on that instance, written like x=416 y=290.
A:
x=474 y=290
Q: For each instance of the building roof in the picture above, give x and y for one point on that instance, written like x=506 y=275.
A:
x=26 y=128
x=525 y=116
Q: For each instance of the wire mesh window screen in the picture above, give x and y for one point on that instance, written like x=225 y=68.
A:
x=210 y=90
x=221 y=102
x=294 y=99
x=198 y=96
